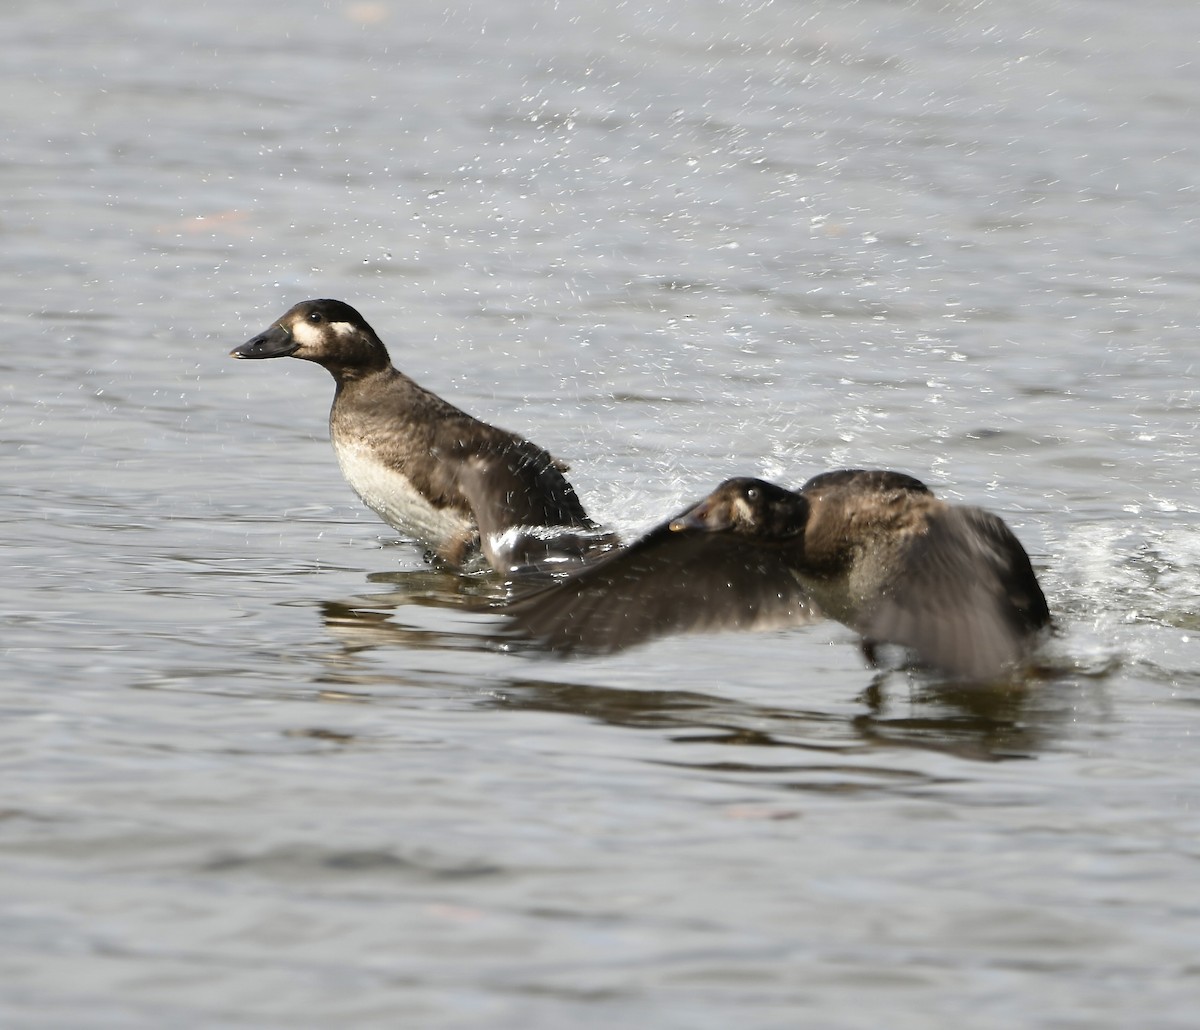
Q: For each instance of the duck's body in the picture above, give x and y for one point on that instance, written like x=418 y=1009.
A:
x=873 y=549
x=428 y=469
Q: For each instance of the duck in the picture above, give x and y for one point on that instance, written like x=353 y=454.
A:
x=453 y=483
x=872 y=549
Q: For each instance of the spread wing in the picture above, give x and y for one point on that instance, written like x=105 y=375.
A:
x=966 y=599
x=666 y=582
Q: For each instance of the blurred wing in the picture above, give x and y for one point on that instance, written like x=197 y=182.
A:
x=526 y=511
x=666 y=582
x=518 y=484
x=967 y=602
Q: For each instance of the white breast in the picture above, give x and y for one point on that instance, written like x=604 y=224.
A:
x=393 y=498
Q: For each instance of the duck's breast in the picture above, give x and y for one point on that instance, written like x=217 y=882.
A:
x=388 y=492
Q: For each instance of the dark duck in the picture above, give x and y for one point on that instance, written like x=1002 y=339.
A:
x=426 y=468
x=875 y=550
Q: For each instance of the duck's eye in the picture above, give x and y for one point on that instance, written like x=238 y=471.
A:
x=752 y=494
x=315 y=317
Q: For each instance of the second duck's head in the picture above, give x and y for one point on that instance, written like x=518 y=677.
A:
x=752 y=507
x=328 y=332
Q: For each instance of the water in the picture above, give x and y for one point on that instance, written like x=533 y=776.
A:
x=262 y=767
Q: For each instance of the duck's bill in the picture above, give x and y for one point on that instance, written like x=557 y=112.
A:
x=275 y=342
x=705 y=517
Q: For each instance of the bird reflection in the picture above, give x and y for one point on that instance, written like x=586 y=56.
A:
x=397 y=616
x=994 y=723
x=976 y=723
x=427 y=610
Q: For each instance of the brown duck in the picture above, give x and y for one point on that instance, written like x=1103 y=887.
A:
x=873 y=549
x=422 y=465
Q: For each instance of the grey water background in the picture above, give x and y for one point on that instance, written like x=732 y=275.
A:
x=261 y=766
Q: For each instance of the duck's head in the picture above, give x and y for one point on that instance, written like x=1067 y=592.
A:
x=329 y=332
x=752 y=507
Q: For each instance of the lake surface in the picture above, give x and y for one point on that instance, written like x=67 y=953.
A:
x=262 y=766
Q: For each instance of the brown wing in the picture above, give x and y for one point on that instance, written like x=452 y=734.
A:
x=526 y=511
x=964 y=597
x=515 y=483
x=666 y=582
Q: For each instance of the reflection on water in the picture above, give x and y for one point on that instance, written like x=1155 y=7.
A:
x=986 y=723
x=979 y=722
x=399 y=615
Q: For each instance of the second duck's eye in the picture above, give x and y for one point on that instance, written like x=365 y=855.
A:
x=315 y=317
x=752 y=494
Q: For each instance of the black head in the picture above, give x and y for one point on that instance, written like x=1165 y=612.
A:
x=329 y=332
x=752 y=507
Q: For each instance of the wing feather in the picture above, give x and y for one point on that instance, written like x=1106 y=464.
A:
x=669 y=581
x=964 y=597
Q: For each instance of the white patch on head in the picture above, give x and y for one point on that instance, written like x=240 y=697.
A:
x=393 y=498
x=745 y=512
x=312 y=337
x=306 y=334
